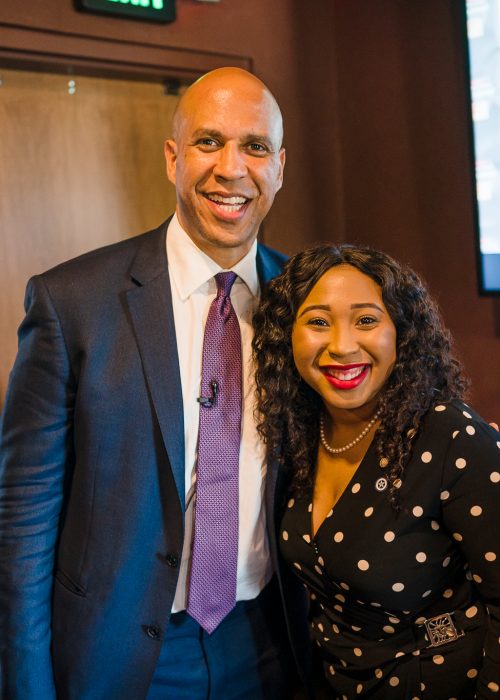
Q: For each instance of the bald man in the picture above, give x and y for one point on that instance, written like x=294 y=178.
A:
x=99 y=442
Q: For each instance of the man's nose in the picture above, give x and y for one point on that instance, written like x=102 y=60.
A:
x=230 y=164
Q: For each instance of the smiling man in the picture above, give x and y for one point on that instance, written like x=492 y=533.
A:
x=226 y=160
x=134 y=556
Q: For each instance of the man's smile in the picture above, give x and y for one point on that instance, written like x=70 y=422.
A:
x=227 y=206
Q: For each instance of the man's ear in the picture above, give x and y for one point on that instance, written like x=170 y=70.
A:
x=170 y=150
x=282 y=157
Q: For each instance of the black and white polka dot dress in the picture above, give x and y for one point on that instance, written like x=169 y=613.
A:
x=376 y=577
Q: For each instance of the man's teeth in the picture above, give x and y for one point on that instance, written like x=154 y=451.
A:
x=345 y=376
x=228 y=203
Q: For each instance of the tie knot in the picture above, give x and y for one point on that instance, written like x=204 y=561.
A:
x=225 y=281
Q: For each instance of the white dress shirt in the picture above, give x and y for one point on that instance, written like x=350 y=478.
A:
x=193 y=290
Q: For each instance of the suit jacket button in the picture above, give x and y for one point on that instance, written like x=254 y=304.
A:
x=153 y=631
x=172 y=560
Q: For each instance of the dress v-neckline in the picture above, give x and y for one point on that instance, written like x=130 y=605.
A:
x=335 y=506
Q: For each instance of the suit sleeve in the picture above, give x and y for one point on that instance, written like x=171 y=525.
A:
x=36 y=460
x=471 y=512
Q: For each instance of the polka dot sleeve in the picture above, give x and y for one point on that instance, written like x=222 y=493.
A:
x=470 y=497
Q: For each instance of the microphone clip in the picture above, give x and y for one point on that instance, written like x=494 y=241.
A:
x=209 y=401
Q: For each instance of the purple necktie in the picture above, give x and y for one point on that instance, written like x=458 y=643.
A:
x=212 y=586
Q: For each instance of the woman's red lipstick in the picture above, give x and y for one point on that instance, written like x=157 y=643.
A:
x=337 y=375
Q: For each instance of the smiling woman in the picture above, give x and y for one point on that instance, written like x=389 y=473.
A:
x=345 y=349
x=392 y=518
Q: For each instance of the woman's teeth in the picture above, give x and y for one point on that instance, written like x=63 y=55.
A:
x=345 y=376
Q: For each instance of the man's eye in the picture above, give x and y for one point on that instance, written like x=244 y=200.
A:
x=207 y=142
x=257 y=148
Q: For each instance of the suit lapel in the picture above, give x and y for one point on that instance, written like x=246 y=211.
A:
x=150 y=305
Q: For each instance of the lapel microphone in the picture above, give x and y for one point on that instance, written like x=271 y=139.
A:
x=209 y=401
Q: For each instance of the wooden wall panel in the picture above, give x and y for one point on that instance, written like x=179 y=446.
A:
x=287 y=43
x=81 y=166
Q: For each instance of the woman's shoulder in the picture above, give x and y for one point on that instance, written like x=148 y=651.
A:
x=456 y=420
x=455 y=413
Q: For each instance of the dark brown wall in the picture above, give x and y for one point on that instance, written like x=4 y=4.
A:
x=405 y=162
x=373 y=95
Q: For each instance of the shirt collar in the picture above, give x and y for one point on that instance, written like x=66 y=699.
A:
x=190 y=267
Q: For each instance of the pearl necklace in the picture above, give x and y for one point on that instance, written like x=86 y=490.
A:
x=345 y=448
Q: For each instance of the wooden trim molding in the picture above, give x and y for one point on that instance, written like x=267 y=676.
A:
x=70 y=52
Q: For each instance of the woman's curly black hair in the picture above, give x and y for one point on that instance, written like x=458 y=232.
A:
x=425 y=373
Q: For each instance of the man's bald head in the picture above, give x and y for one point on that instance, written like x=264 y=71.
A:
x=231 y=82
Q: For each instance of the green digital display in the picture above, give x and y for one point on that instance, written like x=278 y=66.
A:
x=151 y=10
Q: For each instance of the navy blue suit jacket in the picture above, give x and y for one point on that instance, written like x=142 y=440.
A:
x=92 y=478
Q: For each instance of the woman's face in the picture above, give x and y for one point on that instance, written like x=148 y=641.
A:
x=343 y=339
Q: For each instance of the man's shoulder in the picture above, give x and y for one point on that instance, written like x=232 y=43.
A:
x=269 y=262
x=109 y=258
